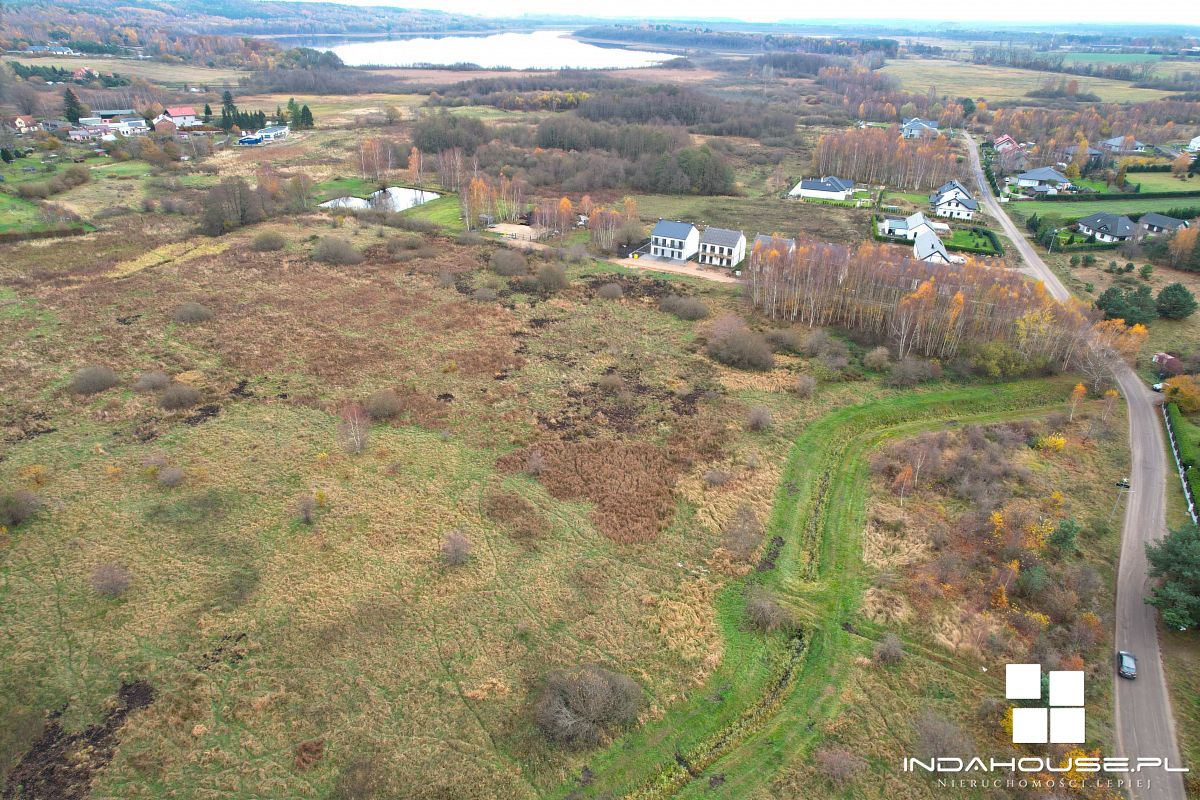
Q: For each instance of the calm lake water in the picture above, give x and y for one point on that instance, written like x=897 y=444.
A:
x=537 y=50
x=393 y=198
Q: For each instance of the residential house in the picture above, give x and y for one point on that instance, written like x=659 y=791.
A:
x=1153 y=222
x=165 y=125
x=1194 y=145
x=674 y=240
x=1123 y=144
x=183 y=116
x=916 y=128
x=273 y=132
x=50 y=49
x=83 y=134
x=954 y=201
x=113 y=113
x=1093 y=154
x=133 y=126
x=722 y=247
x=1107 y=227
x=928 y=247
x=87 y=122
x=763 y=243
x=1047 y=179
x=910 y=227
x=22 y=124
x=827 y=188
x=1005 y=144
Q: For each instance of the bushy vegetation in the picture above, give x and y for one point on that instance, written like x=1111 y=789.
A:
x=336 y=251
x=93 y=380
x=733 y=343
x=267 y=241
x=178 y=396
x=577 y=707
x=191 y=313
x=686 y=308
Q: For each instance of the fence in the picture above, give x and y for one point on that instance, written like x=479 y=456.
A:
x=1184 y=477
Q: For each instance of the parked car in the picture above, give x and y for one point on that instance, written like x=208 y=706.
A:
x=1126 y=664
x=1158 y=387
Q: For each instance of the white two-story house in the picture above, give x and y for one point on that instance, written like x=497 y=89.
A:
x=954 y=201
x=722 y=247
x=677 y=241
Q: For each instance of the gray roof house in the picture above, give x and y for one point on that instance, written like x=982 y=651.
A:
x=953 y=189
x=1117 y=145
x=829 y=186
x=1153 y=222
x=1107 y=227
x=928 y=247
x=674 y=240
x=672 y=229
x=917 y=127
x=763 y=240
x=1043 y=175
x=722 y=247
x=1092 y=152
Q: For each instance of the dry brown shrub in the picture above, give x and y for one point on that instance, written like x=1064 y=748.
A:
x=308 y=753
x=839 y=766
x=18 y=506
x=610 y=291
x=523 y=520
x=191 y=313
x=743 y=533
x=93 y=380
x=759 y=418
x=890 y=650
x=630 y=483
x=111 y=579
x=804 y=386
x=384 y=404
x=170 y=477
x=577 y=707
x=154 y=380
x=178 y=396
x=456 y=548
x=764 y=612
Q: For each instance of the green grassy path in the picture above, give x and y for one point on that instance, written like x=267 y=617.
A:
x=762 y=706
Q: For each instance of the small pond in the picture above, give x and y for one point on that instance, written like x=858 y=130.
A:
x=393 y=198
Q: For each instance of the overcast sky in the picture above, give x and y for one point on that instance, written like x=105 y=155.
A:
x=1181 y=12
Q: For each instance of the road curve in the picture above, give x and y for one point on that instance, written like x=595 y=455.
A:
x=1145 y=725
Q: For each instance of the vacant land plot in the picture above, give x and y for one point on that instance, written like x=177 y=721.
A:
x=759 y=215
x=1026 y=208
x=960 y=79
x=333 y=111
x=210 y=78
x=1164 y=182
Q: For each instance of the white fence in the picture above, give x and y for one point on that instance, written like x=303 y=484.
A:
x=1187 y=490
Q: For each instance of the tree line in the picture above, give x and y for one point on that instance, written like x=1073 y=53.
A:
x=883 y=156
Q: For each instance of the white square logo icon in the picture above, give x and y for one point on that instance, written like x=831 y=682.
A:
x=1023 y=681
x=1066 y=726
x=1066 y=688
x=1030 y=725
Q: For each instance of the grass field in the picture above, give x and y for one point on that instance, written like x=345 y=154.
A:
x=759 y=215
x=1164 y=182
x=333 y=111
x=961 y=79
x=17 y=214
x=963 y=237
x=1026 y=208
x=174 y=75
x=1108 y=58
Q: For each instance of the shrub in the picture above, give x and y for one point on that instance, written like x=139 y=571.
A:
x=610 y=383
x=93 y=380
x=178 y=396
x=877 y=359
x=552 y=278
x=154 y=380
x=306 y=509
x=717 y=477
x=685 y=308
x=110 y=579
x=17 y=506
x=759 y=418
x=267 y=241
x=508 y=263
x=734 y=344
x=784 y=340
x=575 y=254
x=535 y=463
x=484 y=294
x=839 y=766
x=804 y=386
x=890 y=650
x=445 y=279
x=384 y=404
x=333 y=250
x=743 y=533
x=940 y=738
x=764 y=612
x=577 y=706
x=911 y=371
x=400 y=244
x=191 y=313
x=170 y=477
x=611 y=291
x=456 y=548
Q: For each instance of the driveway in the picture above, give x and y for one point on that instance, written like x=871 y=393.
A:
x=1145 y=724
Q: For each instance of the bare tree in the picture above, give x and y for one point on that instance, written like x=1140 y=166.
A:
x=354 y=428
x=456 y=548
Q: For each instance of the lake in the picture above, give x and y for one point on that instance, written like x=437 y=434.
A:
x=393 y=198
x=537 y=50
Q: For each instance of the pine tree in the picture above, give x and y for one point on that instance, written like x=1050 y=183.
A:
x=72 y=108
x=208 y=115
x=306 y=117
x=293 y=112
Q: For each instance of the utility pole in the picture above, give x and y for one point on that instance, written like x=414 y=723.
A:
x=1123 y=488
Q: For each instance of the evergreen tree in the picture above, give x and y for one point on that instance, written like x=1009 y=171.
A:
x=1176 y=559
x=208 y=115
x=72 y=108
x=1135 y=306
x=1175 y=302
x=306 y=117
x=293 y=112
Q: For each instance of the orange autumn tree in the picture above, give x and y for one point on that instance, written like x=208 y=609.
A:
x=1184 y=391
x=1077 y=396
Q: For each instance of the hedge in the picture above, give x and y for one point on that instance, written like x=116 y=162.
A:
x=64 y=229
x=1187 y=436
x=990 y=235
x=1099 y=196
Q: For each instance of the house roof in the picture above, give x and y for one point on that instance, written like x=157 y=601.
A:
x=1111 y=224
x=273 y=129
x=917 y=122
x=927 y=246
x=764 y=240
x=672 y=229
x=1117 y=142
x=114 y=112
x=1005 y=140
x=1043 y=174
x=1091 y=151
x=722 y=237
x=182 y=111
x=827 y=184
x=966 y=199
x=1162 y=221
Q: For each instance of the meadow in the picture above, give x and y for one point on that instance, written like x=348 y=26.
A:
x=961 y=79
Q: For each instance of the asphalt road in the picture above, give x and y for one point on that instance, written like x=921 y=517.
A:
x=1145 y=724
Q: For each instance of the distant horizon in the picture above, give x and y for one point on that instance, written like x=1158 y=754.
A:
x=874 y=13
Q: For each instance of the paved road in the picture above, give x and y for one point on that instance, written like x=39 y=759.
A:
x=1144 y=721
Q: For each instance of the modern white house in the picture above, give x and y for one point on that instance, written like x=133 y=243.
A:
x=916 y=128
x=827 y=188
x=1047 y=178
x=183 y=116
x=722 y=247
x=132 y=126
x=1107 y=227
x=954 y=201
x=674 y=240
x=1153 y=223
x=272 y=133
x=910 y=227
x=1194 y=145
x=928 y=247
